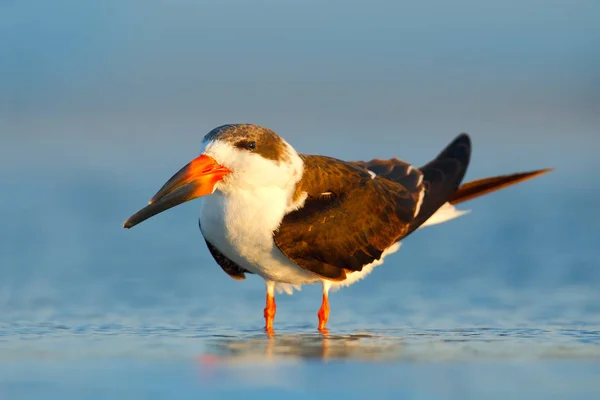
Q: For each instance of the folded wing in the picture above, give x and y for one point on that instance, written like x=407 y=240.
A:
x=350 y=217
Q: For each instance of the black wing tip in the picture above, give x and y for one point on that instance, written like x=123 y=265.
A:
x=459 y=149
x=462 y=139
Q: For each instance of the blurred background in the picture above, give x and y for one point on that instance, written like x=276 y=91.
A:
x=101 y=102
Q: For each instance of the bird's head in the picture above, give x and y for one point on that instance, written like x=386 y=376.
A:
x=233 y=157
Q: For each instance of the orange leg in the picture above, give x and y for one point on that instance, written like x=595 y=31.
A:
x=270 y=313
x=324 y=314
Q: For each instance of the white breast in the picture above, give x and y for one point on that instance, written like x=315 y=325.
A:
x=241 y=226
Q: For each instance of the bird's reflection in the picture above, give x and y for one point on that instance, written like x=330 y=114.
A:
x=298 y=347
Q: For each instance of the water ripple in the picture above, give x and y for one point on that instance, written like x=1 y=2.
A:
x=57 y=341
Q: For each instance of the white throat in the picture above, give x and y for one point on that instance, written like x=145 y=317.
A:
x=241 y=224
x=246 y=219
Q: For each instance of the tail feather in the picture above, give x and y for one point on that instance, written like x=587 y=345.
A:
x=479 y=187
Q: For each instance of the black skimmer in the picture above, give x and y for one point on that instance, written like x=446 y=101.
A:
x=296 y=219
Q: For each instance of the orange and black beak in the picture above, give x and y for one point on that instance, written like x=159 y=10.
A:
x=196 y=179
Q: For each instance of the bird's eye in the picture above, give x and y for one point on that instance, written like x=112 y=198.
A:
x=246 y=145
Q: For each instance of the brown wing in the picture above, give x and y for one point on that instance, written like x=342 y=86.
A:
x=360 y=217
x=348 y=227
x=394 y=169
x=441 y=177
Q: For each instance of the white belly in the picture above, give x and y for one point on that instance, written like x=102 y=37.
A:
x=241 y=227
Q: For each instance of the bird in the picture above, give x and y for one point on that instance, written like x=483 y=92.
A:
x=296 y=219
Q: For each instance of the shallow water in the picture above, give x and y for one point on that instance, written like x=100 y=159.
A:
x=505 y=304
x=100 y=361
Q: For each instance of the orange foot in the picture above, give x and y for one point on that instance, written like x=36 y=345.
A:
x=270 y=314
x=324 y=315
